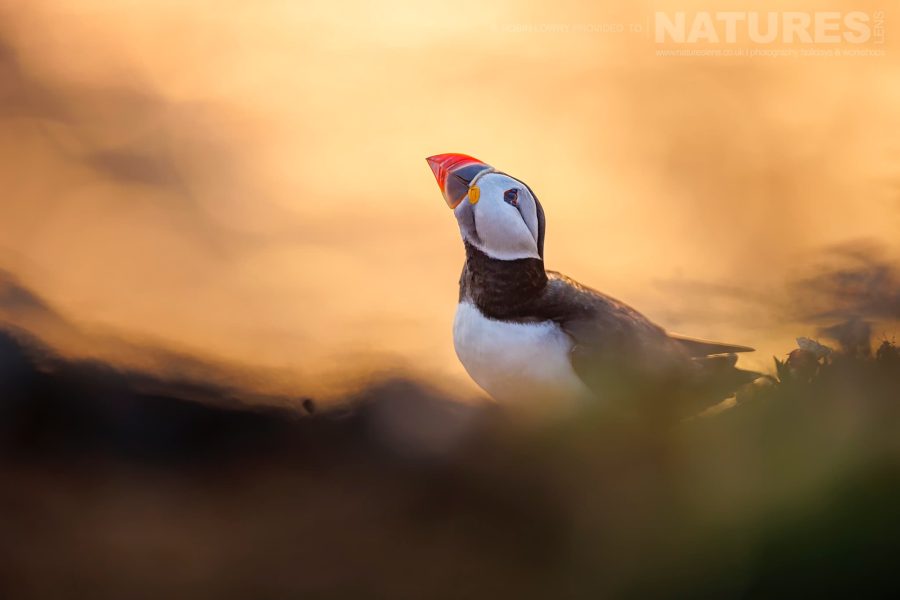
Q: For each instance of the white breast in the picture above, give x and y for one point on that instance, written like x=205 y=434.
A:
x=516 y=362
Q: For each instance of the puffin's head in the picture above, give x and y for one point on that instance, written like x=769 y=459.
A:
x=496 y=213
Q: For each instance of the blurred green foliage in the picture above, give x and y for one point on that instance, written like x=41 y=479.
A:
x=791 y=492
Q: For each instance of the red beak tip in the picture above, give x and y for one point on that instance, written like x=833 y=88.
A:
x=443 y=164
x=435 y=165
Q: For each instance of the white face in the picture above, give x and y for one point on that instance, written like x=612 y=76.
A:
x=503 y=223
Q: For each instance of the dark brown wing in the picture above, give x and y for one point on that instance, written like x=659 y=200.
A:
x=618 y=352
x=615 y=348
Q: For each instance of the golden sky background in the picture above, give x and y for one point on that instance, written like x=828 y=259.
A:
x=245 y=181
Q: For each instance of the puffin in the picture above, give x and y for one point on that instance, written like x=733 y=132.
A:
x=533 y=336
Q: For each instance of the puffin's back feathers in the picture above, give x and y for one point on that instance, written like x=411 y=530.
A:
x=617 y=350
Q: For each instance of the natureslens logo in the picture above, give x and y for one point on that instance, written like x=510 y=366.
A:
x=763 y=28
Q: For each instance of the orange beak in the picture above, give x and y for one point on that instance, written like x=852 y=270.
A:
x=454 y=173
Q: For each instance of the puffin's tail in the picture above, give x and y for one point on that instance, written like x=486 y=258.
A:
x=700 y=348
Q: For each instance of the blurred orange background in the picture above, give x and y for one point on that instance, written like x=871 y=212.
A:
x=245 y=181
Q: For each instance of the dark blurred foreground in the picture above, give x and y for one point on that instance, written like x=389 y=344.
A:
x=121 y=485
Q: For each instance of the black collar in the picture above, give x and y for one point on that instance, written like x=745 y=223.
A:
x=501 y=289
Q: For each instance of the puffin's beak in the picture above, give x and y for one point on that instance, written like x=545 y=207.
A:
x=454 y=173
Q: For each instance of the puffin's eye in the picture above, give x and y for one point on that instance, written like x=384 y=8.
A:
x=511 y=196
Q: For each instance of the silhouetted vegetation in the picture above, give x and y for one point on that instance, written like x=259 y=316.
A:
x=120 y=484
